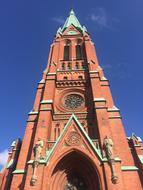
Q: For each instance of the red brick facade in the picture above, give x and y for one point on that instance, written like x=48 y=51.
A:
x=74 y=138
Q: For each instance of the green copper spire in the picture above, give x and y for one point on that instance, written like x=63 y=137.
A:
x=72 y=19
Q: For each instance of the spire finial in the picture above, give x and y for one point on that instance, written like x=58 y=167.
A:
x=72 y=12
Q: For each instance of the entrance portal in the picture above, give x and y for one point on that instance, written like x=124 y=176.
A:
x=75 y=172
x=75 y=182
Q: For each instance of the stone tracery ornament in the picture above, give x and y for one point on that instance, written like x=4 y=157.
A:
x=108 y=146
x=73 y=139
x=73 y=101
x=37 y=155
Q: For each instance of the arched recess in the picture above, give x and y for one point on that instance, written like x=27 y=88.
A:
x=77 y=171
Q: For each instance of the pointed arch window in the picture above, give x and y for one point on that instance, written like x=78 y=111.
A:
x=78 y=52
x=56 y=131
x=66 y=52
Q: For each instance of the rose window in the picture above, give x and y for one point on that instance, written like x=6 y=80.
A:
x=73 y=101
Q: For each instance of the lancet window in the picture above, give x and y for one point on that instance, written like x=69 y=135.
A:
x=66 y=52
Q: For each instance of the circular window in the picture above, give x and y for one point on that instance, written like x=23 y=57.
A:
x=73 y=101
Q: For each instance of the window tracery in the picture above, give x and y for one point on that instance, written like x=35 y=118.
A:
x=73 y=101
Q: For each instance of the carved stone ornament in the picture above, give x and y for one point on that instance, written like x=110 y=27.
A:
x=73 y=139
x=108 y=146
x=37 y=155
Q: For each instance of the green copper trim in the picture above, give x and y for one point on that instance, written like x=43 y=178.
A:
x=46 y=101
x=113 y=109
x=72 y=19
x=51 y=74
x=59 y=30
x=72 y=33
x=138 y=138
x=13 y=143
x=141 y=158
x=20 y=171
x=99 y=100
x=48 y=153
x=73 y=117
x=129 y=168
x=116 y=159
x=84 y=29
x=42 y=161
x=10 y=164
x=33 y=113
x=42 y=81
x=104 y=79
x=93 y=72
x=30 y=162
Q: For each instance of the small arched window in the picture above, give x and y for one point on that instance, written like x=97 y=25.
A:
x=65 y=78
x=77 y=65
x=66 y=52
x=78 y=52
x=83 y=65
x=69 y=66
x=63 y=66
x=80 y=77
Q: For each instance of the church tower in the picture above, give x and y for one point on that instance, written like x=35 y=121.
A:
x=74 y=137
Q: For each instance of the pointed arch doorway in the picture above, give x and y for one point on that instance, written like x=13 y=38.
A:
x=74 y=172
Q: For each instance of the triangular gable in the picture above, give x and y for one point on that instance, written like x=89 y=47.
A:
x=72 y=30
x=72 y=19
x=87 y=138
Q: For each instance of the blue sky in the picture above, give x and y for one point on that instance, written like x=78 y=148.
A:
x=27 y=30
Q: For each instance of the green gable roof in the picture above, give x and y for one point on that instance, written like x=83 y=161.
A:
x=72 y=20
